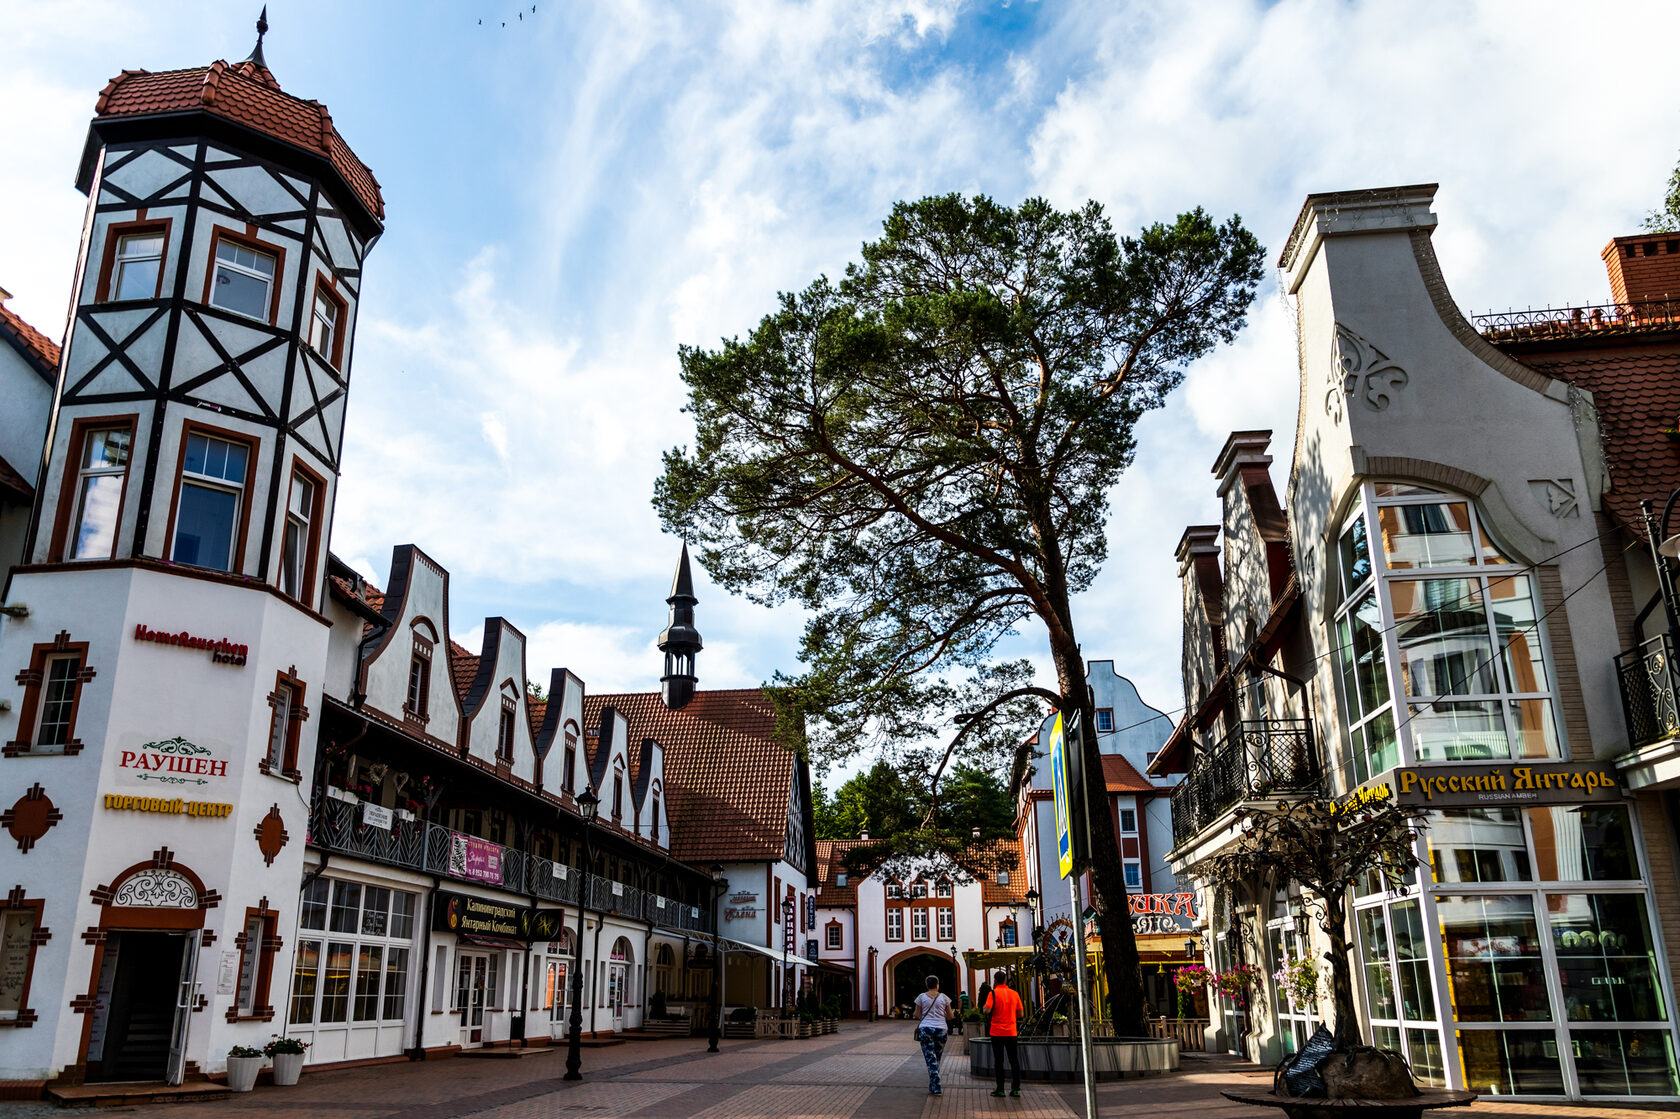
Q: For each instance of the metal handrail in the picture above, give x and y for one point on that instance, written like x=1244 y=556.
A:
x=1591 y=320
x=1650 y=695
x=1254 y=759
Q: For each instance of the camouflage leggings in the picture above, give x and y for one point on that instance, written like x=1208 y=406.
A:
x=933 y=1048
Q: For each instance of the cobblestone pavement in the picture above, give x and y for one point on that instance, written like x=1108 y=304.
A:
x=866 y=1071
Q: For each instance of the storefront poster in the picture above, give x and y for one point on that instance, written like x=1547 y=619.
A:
x=459 y=913
x=474 y=858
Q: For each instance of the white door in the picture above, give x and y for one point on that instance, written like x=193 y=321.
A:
x=471 y=970
x=186 y=996
x=555 y=996
x=617 y=975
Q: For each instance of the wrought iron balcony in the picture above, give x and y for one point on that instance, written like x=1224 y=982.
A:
x=1253 y=760
x=1647 y=676
x=1548 y=323
x=336 y=825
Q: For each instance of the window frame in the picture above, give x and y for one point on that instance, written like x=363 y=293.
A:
x=919 y=916
x=115 y=234
x=834 y=936
x=34 y=680
x=892 y=912
x=1101 y=712
x=267 y=949
x=69 y=487
x=421 y=651
x=945 y=922
x=507 y=730
x=296 y=714
x=253 y=447
x=311 y=552
x=254 y=244
x=323 y=936
x=25 y=1016
x=1367 y=505
x=327 y=286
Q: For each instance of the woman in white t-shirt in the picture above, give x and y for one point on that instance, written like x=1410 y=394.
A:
x=933 y=1011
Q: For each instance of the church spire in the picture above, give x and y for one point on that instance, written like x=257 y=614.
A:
x=680 y=641
x=262 y=29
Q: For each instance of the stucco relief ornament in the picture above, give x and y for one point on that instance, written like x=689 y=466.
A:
x=1360 y=370
x=157 y=889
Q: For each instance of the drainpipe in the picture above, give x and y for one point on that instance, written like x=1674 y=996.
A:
x=425 y=976
x=595 y=974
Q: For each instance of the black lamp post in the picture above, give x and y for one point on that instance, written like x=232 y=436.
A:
x=1032 y=900
x=589 y=806
x=720 y=886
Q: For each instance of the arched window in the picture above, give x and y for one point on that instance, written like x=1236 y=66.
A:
x=1441 y=652
x=665 y=971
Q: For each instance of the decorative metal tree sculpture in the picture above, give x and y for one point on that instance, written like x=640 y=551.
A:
x=1326 y=846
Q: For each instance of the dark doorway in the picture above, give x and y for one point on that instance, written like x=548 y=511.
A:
x=910 y=977
x=132 y=1033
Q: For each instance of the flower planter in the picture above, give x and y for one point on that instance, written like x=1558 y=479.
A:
x=287 y=1066
x=242 y=1072
x=1057 y=1058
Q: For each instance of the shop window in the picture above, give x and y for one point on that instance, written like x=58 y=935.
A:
x=52 y=695
x=1442 y=650
x=1494 y=958
x=1583 y=843
x=895 y=923
x=947 y=923
x=91 y=504
x=1478 y=845
x=918 y=924
x=299 y=548
x=1105 y=720
x=326 y=323
x=132 y=267
x=362 y=974
x=211 y=501
x=257 y=944
x=243 y=276
x=285 y=725
x=20 y=935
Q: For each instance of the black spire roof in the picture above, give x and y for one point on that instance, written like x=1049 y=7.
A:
x=680 y=641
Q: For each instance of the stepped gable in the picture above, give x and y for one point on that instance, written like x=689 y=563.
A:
x=247 y=94
x=727 y=779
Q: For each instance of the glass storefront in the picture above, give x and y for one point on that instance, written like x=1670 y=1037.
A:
x=1527 y=963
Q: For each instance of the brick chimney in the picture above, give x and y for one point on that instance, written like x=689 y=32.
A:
x=1643 y=268
x=1198 y=555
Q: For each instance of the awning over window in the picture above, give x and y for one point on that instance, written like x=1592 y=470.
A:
x=727 y=945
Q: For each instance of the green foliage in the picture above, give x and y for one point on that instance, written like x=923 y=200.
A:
x=921 y=455
x=1667 y=219
x=972 y=797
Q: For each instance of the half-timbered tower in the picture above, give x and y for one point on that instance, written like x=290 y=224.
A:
x=167 y=639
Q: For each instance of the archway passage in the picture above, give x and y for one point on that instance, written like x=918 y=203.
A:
x=910 y=976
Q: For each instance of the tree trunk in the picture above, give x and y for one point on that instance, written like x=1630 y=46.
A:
x=1108 y=880
x=1346 y=1029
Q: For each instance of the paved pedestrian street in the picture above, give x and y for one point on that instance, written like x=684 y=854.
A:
x=867 y=1071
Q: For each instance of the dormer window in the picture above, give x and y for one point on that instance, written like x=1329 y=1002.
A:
x=618 y=791
x=504 y=730
x=943 y=889
x=568 y=782
x=894 y=890
x=918 y=890
x=840 y=880
x=418 y=704
x=1003 y=878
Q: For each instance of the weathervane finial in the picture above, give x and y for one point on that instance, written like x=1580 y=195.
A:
x=262 y=29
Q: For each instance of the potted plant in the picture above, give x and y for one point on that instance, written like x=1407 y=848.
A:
x=1188 y=980
x=287 y=1053
x=243 y=1064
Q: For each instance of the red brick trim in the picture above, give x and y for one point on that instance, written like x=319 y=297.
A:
x=26 y=1015
x=33 y=679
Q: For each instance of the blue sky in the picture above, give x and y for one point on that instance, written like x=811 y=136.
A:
x=574 y=195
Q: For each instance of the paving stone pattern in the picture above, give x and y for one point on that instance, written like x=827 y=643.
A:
x=866 y=1071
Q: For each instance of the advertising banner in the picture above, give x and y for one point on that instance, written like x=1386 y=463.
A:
x=1488 y=785
x=458 y=913
x=474 y=858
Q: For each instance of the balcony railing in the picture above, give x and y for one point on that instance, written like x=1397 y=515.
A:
x=336 y=825
x=1256 y=759
x=1548 y=323
x=1647 y=676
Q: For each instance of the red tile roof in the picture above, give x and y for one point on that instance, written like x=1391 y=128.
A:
x=830 y=852
x=1636 y=389
x=247 y=94
x=40 y=350
x=728 y=780
x=1122 y=776
x=463 y=668
x=13 y=482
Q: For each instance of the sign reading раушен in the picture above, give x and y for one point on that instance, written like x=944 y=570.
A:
x=1503 y=783
x=221 y=650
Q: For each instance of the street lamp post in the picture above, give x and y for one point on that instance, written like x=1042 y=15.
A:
x=720 y=886
x=589 y=805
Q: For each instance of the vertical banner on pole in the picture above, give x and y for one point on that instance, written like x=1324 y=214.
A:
x=1061 y=745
